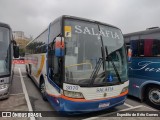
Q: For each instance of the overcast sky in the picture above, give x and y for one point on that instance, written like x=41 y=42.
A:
x=33 y=16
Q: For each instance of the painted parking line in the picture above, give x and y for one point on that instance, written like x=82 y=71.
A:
x=17 y=94
x=128 y=105
x=104 y=115
x=108 y=114
x=150 y=108
x=131 y=108
x=19 y=76
x=26 y=94
x=91 y=118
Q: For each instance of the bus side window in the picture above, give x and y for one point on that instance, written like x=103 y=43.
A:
x=127 y=46
x=141 y=47
x=158 y=47
x=134 y=47
x=129 y=54
x=155 y=49
x=148 y=47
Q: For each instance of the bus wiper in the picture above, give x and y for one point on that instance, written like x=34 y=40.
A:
x=96 y=70
x=98 y=66
x=110 y=58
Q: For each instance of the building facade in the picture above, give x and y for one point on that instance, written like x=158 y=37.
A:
x=21 y=39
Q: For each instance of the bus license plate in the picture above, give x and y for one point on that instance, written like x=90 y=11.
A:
x=103 y=105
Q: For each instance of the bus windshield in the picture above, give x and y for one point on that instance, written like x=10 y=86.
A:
x=4 y=51
x=84 y=41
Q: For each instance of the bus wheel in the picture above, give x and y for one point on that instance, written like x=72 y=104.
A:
x=43 y=90
x=153 y=96
x=26 y=69
x=30 y=72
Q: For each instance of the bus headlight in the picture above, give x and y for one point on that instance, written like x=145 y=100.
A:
x=73 y=94
x=124 y=89
x=3 y=86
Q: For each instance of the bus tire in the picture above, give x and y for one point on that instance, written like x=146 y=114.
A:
x=26 y=69
x=30 y=72
x=42 y=89
x=153 y=96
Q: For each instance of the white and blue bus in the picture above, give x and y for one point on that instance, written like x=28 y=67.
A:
x=7 y=49
x=79 y=65
x=144 y=65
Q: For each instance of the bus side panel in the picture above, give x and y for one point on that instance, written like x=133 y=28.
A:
x=142 y=70
x=134 y=81
x=37 y=66
x=131 y=80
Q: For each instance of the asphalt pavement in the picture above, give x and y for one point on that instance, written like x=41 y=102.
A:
x=16 y=101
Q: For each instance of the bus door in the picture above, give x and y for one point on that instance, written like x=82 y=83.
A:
x=53 y=64
x=55 y=60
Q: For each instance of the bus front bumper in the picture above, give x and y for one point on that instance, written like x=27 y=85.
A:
x=72 y=107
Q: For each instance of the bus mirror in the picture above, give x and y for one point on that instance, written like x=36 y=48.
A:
x=129 y=54
x=16 y=51
x=59 y=47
